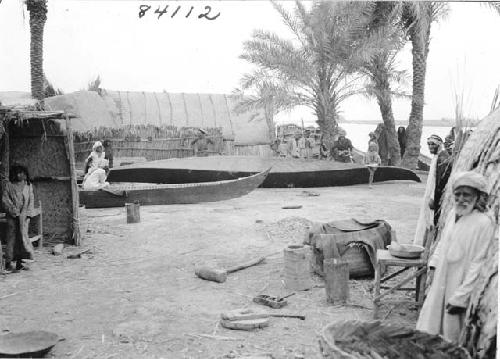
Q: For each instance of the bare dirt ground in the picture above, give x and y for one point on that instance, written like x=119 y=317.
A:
x=136 y=296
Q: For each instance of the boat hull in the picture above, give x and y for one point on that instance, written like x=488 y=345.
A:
x=191 y=193
x=284 y=173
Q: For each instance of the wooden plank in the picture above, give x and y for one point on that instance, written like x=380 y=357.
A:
x=399 y=301
x=51 y=178
x=394 y=274
x=401 y=289
x=400 y=284
x=74 y=185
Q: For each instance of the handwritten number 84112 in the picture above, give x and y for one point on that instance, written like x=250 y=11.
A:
x=143 y=9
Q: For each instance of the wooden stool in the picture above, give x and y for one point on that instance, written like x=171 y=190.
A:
x=38 y=213
x=385 y=259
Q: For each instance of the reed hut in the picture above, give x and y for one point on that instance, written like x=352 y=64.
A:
x=481 y=152
x=43 y=142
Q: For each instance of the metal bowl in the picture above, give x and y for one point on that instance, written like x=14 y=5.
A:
x=407 y=251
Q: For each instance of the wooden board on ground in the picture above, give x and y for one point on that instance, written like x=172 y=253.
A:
x=248 y=324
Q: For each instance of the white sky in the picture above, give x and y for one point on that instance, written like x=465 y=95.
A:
x=86 y=38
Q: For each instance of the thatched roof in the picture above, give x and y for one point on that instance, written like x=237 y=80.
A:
x=115 y=109
x=16 y=98
x=481 y=153
x=25 y=114
x=53 y=121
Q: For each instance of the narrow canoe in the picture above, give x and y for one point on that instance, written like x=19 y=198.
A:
x=284 y=172
x=117 y=195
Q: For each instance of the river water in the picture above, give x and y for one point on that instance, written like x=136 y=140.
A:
x=358 y=134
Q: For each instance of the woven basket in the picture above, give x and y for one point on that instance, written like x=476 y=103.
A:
x=359 y=261
x=376 y=340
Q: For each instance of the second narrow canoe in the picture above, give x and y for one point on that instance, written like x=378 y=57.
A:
x=117 y=195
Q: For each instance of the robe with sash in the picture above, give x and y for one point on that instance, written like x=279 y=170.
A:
x=18 y=203
x=457 y=259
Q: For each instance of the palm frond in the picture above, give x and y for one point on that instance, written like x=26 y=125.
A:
x=495 y=103
x=494 y=5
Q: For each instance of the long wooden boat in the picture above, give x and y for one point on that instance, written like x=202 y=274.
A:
x=117 y=195
x=284 y=173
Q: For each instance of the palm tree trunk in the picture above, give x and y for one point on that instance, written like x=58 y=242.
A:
x=384 y=100
x=420 y=49
x=327 y=121
x=326 y=113
x=38 y=16
x=269 y=111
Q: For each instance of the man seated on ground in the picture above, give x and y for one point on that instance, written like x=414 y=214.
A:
x=96 y=168
x=292 y=150
x=301 y=144
x=282 y=147
x=310 y=144
x=201 y=143
x=342 y=148
x=457 y=260
x=323 y=149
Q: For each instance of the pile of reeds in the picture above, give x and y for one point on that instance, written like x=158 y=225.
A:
x=141 y=132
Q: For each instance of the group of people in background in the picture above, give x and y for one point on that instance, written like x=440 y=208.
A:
x=296 y=146
x=308 y=145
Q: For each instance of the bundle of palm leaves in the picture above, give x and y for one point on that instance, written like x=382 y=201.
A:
x=376 y=340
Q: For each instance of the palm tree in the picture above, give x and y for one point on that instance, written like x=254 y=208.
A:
x=383 y=76
x=38 y=15
x=417 y=18
x=380 y=70
x=318 y=68
x=495 y=5
x=265 y=98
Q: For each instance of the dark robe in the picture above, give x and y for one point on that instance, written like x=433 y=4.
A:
x=18 y=204
x=108 y=155
x=383 y=145
x=443 y=171
x=402 y=140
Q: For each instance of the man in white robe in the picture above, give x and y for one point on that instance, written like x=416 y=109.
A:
x=457 y=260
x=96 y=168
x=426 y=216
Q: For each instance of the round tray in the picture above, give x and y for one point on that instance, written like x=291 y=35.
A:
x=407 y=251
